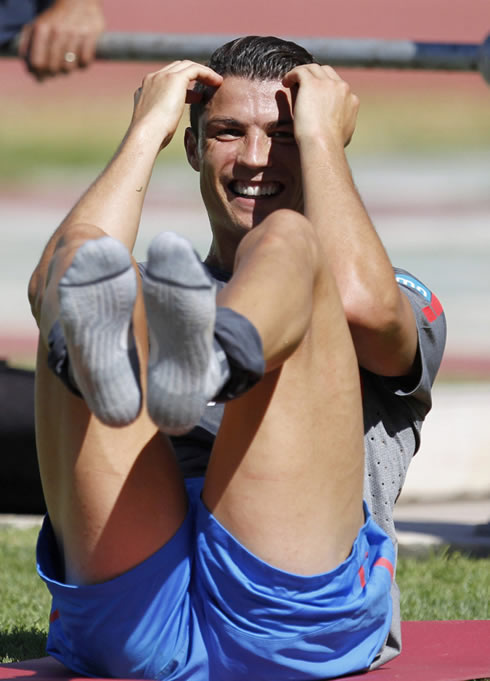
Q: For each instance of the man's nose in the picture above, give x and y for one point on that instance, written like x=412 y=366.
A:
x=255 y=151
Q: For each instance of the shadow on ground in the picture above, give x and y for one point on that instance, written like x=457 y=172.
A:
x=470 y=539
x=18 y=644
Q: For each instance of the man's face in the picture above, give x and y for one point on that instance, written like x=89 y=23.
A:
x=246 y=155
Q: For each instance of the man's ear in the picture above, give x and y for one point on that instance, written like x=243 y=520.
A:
x=190 y=144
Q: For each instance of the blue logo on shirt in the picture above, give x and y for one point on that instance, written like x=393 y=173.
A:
x=410 y=282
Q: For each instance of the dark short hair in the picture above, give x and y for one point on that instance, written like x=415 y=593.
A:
x=253 y=57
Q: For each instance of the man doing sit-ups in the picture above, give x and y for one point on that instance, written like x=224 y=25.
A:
x=207 y=432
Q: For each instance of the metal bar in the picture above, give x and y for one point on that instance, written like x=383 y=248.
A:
x=347 y=52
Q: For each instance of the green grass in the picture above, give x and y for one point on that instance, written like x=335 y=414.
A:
x=24 y=600
x=442 y=586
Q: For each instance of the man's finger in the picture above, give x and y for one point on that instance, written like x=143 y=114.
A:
x=203 y=74
x=305 y=70
x=24 y=40
x=62 y=54
x=38 y=55
x=194 y=71
x=68 y=60
x=27 y=41
x=86 y=50
x=332 y=73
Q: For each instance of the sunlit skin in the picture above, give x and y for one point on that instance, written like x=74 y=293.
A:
x=246 y=145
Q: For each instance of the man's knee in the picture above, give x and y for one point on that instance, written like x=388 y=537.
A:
x=64 y=246
x=284 y=232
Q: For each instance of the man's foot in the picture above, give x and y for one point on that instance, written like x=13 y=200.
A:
x=184 y=371
x=96 y=298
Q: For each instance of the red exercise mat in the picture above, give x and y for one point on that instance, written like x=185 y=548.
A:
x=456 y=650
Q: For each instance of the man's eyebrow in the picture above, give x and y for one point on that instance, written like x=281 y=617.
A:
x=230 y=122
x=223 y=120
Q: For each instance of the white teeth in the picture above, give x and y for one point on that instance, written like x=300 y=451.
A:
x=245 y=189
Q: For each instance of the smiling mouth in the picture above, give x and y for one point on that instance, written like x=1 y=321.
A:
x=253 y=190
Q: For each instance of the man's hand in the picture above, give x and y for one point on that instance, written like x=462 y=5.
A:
x=324 y=107
x=159 y=102
x=62 y=38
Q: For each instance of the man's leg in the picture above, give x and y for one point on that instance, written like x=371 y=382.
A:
x=286 y=473
x=114 y=495
x=197 y=352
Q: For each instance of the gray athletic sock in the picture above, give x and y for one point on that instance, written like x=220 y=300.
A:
x=184 y=371
x=96 y=299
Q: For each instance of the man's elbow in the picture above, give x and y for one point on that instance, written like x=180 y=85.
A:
x=385 y=338
x=382 y=314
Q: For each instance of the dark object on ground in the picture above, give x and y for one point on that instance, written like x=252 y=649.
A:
x=19 y=473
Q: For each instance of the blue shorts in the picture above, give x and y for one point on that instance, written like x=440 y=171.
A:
x=204 y=608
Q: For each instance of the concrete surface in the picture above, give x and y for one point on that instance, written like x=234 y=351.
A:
x=453 y=462
x=458 y=525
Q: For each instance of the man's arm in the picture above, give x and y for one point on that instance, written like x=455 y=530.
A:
x=380 y=317
x=62 y=38
x=115 y=200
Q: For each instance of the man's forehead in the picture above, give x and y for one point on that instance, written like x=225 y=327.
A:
x=244 y=97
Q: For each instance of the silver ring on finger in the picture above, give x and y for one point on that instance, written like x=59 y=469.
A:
x=70 y=57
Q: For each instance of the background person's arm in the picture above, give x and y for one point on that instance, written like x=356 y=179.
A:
x=380 y=317
x=62 y=38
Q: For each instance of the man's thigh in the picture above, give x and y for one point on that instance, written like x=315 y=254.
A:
x=140 y=624
x=102 y=483
x=286 y=472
